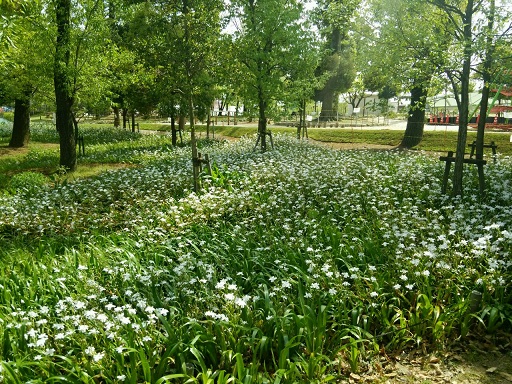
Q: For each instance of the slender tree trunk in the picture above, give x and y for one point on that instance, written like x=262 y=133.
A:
x=21 y=125
x=464 y=102
x=262 y=120
x=133 y=121
x=416 y=120
x=208 y=122
x=173 y=131
x=193 y=142
x=125 y=117
x=63 y=88
x=486 y=77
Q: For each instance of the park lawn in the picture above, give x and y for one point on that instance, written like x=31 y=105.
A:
x=434 y=141
x=302 y=264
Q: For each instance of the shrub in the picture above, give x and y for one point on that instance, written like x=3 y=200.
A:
x=27 y=182
x=8 y=116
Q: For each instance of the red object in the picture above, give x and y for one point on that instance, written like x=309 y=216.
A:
x=496 y=119
x=447 y=118
x=457 y=119
x=504 y=92
x=477 y=119
x=501 y=108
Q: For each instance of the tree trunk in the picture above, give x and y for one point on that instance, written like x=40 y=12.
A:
x=193 y=144
x=338 y=80
x=181 y=123
x=208 y=123
x=21 y=126
x=133 y=121
x=125 y=117
x=464 y=102
x=329 y=105
x=486 y=77
x=117 y=118
x=416 y=120
x=63 y=87
x=173 y=131
x=262 y=120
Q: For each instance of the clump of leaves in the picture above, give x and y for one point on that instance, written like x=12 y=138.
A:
x=27 y=183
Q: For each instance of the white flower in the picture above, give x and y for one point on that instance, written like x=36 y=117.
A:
x=229 y=296
x=374 y=294
x=98 y=356
x=162 y=311
x=90 y=351
x=240 y=302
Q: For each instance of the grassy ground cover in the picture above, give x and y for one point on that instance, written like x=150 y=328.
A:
x=297 y=265
x=436 y=141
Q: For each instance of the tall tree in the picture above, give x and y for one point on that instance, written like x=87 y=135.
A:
x=78 y=48
x=22 y=67
x=334 y=22
x=269 y=41
x=405 y=58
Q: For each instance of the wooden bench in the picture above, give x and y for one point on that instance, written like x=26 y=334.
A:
x=451 y=159
x=493 y=146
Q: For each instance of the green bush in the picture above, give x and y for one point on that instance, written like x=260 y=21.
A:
x=7 y=116
x=27 y=182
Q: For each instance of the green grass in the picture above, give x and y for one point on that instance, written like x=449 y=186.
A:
x=435 y=141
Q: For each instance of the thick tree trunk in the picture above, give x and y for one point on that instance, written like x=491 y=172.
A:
x=21 y=126
x=338 y=80
x=416 y=120
x=329 y=105
x=63 y=88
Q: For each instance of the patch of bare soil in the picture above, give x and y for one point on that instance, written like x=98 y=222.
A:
x=8 y=151
x=440 y=368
